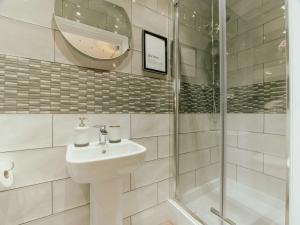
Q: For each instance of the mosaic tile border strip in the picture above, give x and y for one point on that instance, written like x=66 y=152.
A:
x=34 y=86
x=268 y=97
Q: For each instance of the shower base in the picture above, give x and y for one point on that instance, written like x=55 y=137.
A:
x=244 y=205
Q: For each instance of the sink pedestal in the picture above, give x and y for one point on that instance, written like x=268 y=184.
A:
x=105 y=202
x=103 y=170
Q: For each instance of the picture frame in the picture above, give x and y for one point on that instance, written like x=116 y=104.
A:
x=155 y=53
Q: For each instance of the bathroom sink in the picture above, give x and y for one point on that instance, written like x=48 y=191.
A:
x=103 y=166
x=96 y=163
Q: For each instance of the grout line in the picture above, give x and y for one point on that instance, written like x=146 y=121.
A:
x=34 y=149
x=52 y=117
x=151 y=9
x=52 y=202
x=157 y=146
x=59 y=213
x=260 y=172
x=157 y=192
x=35 y=184
x=26 y=22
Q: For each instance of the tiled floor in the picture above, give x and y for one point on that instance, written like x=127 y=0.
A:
x=245 y=206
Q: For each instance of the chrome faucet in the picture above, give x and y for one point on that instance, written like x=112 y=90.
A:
x=103 y=134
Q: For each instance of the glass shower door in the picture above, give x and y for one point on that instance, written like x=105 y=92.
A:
x=232 y=149
x=198 y=118
x=256 y=145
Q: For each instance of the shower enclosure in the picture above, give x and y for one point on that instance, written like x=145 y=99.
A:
x=230 y=81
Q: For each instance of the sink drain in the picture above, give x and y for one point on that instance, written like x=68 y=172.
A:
x=103 y=151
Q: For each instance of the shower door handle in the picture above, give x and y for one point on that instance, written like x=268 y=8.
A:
x=218 y=214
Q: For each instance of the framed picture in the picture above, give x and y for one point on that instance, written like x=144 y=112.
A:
x=155 y=53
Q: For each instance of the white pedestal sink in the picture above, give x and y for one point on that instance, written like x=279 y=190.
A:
x=103 y=167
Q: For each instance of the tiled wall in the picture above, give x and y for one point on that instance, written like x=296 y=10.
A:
x=198 y=150
x=256 y=43
x=257 y=151
x=37 y=125
x=42 y=188
x=257 y=145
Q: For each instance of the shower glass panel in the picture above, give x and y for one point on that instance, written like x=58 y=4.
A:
x=256 y=147
x=199 y=128
x=231 y=157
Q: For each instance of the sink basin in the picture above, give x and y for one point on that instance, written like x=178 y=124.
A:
x=102 y=166
x=96 y=163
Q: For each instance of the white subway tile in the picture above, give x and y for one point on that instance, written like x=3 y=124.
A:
x=231 y=171
x=266 y=143
x=150 y=172
x=126 y=180
x=187 y=181
x=30 y=11
x=147 y=125
x=67 y=194
x=153 y=216
x=136 y=59
x=33 y=37
x=151 y=145
x=163 y=189
x=275 y=70
x=202 y=7
x=275 y=145
x=164 y=146
x=232 y=60
x=139 y=200
x=191 y=37
x=188 y=55
x=270 y=51
x=37 y=166
x=247 y=76
x=261 y=182
x=64 y=124
x=246 y=40
x=245 y=122
x=207 y=174
x=275 y=123
x=187 y=142
x=136 y=38
x=193 y=160
x=148 y=3
x=243 y=7
x=248 y=159
x=215 y=154
x=25 y=131
x=140 y=18
x=25 y=204
x=275 y=166
x=188 y=70
x=194 y=141
x=191 y=122
x=232 y=138
x=207 y=139
x=77 y=216
x=202 y=56
x=274 y=29
x=164 y=7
